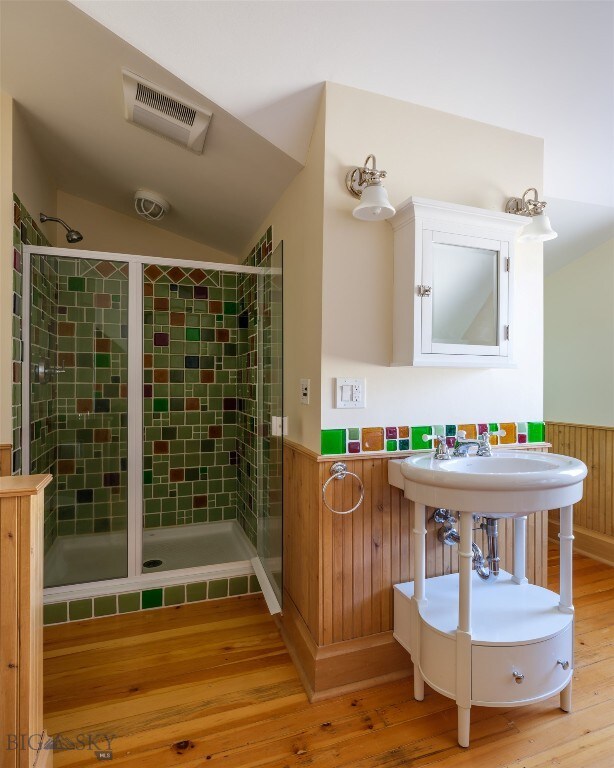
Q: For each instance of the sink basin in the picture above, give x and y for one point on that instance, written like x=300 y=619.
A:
x=506 y=484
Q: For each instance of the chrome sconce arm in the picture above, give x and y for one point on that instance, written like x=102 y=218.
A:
x=525 y=207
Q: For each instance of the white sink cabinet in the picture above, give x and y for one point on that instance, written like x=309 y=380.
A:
x=498 y=643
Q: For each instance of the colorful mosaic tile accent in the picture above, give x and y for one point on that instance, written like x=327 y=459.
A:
x=372 y=439
x=128 y=602
x=417 y=438
x=368 y=439
x=333 y=441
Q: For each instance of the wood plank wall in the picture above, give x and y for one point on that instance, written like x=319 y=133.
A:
x=339 y=570
x=595 y=447
x=594 y=514
x=5 y=459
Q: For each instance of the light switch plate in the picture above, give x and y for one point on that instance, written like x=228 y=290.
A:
x=350 y=393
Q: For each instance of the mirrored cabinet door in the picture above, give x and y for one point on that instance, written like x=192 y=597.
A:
x=462 y=312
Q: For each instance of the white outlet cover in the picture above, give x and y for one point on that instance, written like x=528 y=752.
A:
x=305 y=390
x=350 y=393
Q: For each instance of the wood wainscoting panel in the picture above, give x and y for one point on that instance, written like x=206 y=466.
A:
x=594 y=446
x=339 y=569
x=301 y=533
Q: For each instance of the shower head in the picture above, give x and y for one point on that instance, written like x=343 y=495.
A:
x=71 y=234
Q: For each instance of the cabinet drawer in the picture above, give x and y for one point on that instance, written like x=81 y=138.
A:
x=493 y=667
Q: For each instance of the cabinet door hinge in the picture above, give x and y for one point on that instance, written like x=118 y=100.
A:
x=507 y=263
x=506 y=332
x=424 y=290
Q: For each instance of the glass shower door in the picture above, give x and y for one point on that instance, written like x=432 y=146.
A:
x=269 y=546
x=78 y=413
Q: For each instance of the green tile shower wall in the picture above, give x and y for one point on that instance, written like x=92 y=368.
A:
x=159 y=597
x=405 y=438
x=190 y=399
x=43 y=388
x=247 y=427
x=25 y=232
x=256 y=454
x=91 y=405
x=43 y=334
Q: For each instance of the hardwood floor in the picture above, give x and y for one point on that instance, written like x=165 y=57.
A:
x=211 y=684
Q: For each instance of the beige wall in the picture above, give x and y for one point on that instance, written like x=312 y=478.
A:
x=434 y=155
x=297 y=220
x=33 y=181
x=6 y=263
x=24 y=172
x=106 y=230
x=579 y=345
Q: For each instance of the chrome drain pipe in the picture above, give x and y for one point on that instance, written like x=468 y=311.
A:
x=450 y=536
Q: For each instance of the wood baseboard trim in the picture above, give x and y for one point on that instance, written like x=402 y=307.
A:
x=351 y=665
x=595 y=545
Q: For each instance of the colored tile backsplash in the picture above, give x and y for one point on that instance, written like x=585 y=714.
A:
x=403 y=438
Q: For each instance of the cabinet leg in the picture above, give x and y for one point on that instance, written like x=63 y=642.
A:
x=419 y=684
x=464 y=721
x=566 y=698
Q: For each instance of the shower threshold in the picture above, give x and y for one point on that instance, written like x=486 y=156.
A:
x=95 y=564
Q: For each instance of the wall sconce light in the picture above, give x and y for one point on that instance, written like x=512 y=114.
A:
x=538 y=229
x=366 y=184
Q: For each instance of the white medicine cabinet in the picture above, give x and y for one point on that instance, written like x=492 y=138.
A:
x=453 y=285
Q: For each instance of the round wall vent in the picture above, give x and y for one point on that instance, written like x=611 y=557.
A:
x=150 y=205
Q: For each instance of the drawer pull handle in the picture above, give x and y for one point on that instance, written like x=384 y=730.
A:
x=563 y=663
x=518 y=676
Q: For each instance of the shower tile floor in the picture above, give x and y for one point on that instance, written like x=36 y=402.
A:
x=102 y=556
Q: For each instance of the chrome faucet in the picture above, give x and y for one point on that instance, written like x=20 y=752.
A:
x=441 y=452
x=461 y=446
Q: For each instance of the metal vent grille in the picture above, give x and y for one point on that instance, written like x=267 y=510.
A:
x=168 y=114
x=162 y=103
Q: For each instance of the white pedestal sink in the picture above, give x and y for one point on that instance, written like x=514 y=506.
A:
x=501 y=643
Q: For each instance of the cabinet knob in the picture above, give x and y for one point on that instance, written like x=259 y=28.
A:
x=518 y=676
x=564 y=663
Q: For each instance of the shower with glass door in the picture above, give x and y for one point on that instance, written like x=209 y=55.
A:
x=153 y=394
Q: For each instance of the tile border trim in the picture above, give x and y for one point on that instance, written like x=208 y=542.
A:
x=86 y=608
x=357 y=441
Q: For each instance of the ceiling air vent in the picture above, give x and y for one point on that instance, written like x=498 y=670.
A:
x=163 y=113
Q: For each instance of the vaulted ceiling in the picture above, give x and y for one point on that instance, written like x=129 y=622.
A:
x=543 y=67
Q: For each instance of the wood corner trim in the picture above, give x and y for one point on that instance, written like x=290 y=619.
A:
x=23 y=485
x=6 y=464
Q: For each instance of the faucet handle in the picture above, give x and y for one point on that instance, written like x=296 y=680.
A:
x=441 y=452
x=432 y=438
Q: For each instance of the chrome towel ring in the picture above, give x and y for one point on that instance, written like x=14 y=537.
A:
x=339 y=471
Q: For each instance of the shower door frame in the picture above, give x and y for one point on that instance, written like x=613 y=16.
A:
x=135 y=577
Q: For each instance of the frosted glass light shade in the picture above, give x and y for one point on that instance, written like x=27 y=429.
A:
x=374 y=204
x=537 y=230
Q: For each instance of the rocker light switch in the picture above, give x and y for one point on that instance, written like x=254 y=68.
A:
x=350 y=393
